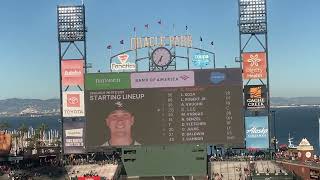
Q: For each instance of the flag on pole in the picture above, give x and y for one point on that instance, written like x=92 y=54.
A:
x=134 y=29
x=146 y=26
x=121 y=42
x=186 y=28
x=212 y=43
x=200 y=38
x=159 y=22
x=109 y=47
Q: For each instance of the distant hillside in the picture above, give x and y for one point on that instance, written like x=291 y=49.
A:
x=280 y=101
x=15 y=105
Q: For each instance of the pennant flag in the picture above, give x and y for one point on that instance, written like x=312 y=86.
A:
x=121 y=42
x=186 y=28
x=159 y=22
x=109 y=47
x=146 y=26
x=200 y=38
x=134 y=29
x=212 y=43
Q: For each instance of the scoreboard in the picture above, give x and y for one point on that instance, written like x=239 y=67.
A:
x=174 y=107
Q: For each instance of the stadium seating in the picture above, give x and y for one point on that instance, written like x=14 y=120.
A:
x=107 y=170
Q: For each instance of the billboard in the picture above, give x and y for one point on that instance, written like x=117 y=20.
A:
x=180 y=107
x=72 y=72
x=257 y=133
x=201 y=59
x=255 y=97
x=73 y=104
x=254 y=65
x=123 y=64
x=73 y=137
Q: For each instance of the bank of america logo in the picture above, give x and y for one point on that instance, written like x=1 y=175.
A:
x=254 y=60
x=184 y=77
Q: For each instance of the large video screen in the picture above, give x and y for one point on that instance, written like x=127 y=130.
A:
x=174 y=107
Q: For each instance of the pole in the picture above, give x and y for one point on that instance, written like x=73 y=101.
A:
x=274 y=133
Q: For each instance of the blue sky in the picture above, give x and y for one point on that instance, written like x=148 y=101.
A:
x=29 y=48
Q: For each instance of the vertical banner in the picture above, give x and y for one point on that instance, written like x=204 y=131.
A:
x=73 y=137
x=257 y=133
x=73 y=104
x=254 y=65
x=255 y=97
x=72 y=72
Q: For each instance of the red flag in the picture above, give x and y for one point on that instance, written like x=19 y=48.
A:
x=109 y=47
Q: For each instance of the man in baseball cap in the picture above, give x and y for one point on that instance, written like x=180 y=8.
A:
x=119 y=121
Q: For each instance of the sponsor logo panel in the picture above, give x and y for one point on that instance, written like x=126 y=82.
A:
x=257 y=133
x=254 y=65
x=162 y=79
x=72 y=72
x=101 y=81
x=255 y=97
x=73 y=104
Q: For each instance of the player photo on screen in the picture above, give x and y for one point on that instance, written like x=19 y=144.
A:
x=120 y=122
x=117 y=118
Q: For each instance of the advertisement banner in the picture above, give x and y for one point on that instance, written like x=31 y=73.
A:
x=96 y=81
x=254 y=65
x=73 y=104
x=162 y=79
x=201 y=59
x=123 y=64
x=73 y=137
x=255 y=97
x=257 y=133
x=72 y=72
x=174 y=110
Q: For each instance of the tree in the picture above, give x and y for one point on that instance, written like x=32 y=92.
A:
x=42 y=129
x=23 y=129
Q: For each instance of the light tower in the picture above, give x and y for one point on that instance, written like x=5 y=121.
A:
x=72 y=62
x=253 y=43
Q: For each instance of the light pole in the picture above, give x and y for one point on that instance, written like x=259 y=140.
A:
x=274 y=131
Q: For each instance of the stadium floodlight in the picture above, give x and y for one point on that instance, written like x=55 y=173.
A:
x=252 y=16
x=71 y=26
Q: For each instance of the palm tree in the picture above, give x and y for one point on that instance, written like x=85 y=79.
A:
x=23 y=129
x=42 y=129
x=15 y=137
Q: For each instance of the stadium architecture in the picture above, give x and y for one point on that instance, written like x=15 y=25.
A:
x=163 y=105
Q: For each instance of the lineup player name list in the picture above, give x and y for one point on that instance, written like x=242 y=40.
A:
x=183 y=116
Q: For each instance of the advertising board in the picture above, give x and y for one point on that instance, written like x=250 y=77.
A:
x=255 y=97
x=73 y=104
x=73 y=137
x=72 y=72
x=254 y=65
x=257 y=133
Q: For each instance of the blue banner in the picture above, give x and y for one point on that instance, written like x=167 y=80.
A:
x=201 y=60
x=257 y=134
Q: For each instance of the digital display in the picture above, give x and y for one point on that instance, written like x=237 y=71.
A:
x=177 y=107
